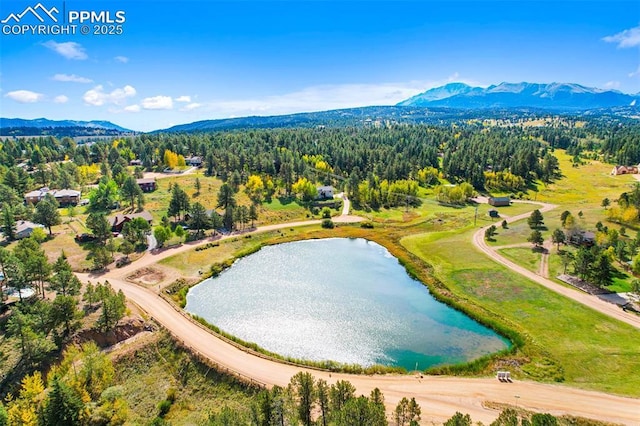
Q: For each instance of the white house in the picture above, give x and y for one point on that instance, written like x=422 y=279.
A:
x=325 y=191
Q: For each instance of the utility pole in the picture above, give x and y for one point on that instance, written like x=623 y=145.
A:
x=475 y=217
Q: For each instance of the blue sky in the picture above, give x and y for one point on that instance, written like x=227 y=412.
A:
x=182 y=61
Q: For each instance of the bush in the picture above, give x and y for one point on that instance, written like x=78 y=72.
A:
x=366 y=225
x=326 y=213
x=327 y=223
x=163 y=407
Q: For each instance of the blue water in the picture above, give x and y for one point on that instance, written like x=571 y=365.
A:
x=339 y=299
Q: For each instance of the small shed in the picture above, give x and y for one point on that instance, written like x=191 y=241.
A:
x=494 y=213
x=499 y=201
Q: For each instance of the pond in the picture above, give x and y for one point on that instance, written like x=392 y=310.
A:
x=339 y=299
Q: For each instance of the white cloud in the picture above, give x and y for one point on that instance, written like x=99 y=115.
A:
x=25 y=96
x=72 y=78
x=183 y=99
x=70 y=49
x=191 y=106
x=61 y=99
x=635 y=73
x=326 y=97
x=132 y=108
x=157 y=102
x=626 y=38
x=97 y=96
x=121 y=59
x=612 y=85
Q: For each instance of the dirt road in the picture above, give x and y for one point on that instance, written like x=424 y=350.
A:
x=588 y=300
x=439 y=397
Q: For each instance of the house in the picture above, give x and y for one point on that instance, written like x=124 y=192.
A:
x=624 y=170
x=325 y=191
x=63 y=196
x=583 y=238
x=66 y=197
x=499 y=201
x=193 y=161
x=135 y=163
x=494 y=213
x=24 y=228
x=146 y=184
x=118 y=221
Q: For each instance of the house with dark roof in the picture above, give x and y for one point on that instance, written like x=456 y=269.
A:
x=118 y=221
x=583 y=238
x=146 y=184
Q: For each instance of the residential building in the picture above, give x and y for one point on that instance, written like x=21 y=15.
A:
x=118 y=221
x=146 y=184
x=325 y=191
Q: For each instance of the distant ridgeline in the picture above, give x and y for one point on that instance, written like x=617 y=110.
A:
x=58 y=128
x=58 y=132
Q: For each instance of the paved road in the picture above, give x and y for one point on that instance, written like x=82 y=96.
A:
x=584 y=298
x=439 y=397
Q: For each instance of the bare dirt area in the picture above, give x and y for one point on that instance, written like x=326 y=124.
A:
x=126 y=329
x=147 y=276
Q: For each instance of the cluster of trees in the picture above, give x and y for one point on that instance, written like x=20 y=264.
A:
x=308 y=402
x=41 y=324
x=454 y=194
x=198 y=219
x=374 y=193
x=78 y=391
x=627 y=210
x=594 y=263
x=173 y=160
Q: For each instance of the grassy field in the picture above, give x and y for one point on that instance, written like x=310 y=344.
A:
x=146 y=376
x=566 y=341
x=580 y=190
x=524 y=256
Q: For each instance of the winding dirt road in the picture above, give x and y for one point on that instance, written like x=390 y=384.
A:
x=439 y=397
x=586 y=299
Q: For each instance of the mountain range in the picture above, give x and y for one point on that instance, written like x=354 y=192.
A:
x=448 y=103
x=553 y=96
x=41 y=123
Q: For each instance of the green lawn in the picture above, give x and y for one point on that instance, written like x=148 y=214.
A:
x=524 y=256
x=567 y=341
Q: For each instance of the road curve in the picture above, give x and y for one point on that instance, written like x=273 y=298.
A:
x=593 y=302
x=440 y=397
